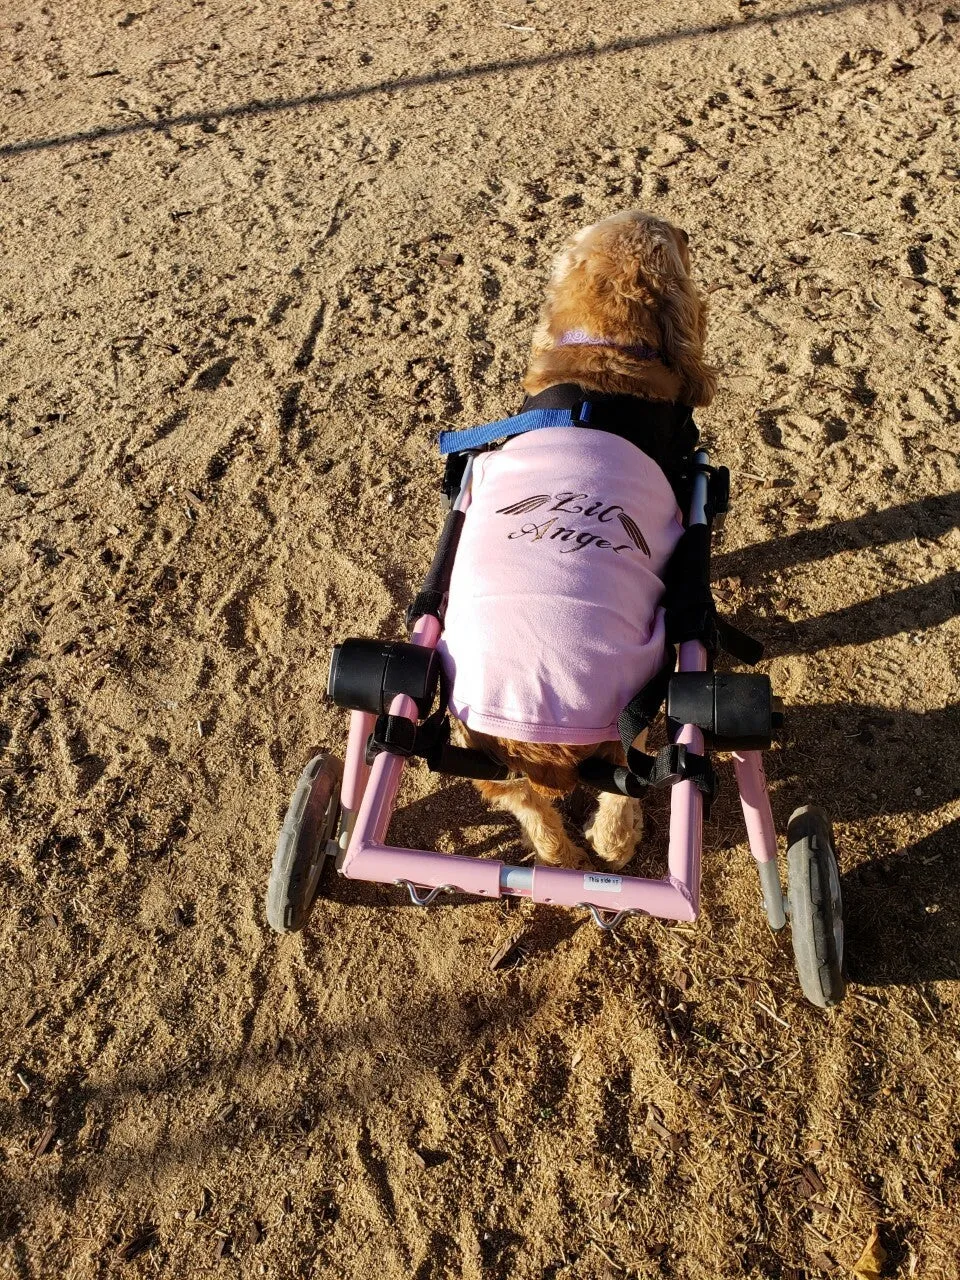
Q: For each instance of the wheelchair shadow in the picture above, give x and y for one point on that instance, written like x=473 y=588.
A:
x=867 y=763
x=929 y=518
x=872 y=765
x=902 y=913
x=914 y=608
x=884 y=770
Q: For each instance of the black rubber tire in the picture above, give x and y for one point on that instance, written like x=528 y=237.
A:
x=310 y=821
x=816 y=909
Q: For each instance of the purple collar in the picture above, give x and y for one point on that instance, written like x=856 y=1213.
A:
x=580 y=338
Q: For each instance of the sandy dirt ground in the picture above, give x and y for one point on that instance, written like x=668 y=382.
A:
x=230 y=333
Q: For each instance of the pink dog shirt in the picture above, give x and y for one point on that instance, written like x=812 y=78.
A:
x=553 y=621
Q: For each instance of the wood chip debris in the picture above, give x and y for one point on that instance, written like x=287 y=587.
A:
x=499 y=1144
x=812 y=1181
x=449 y=259
x=144 y=1240
x=506 y=951
x=820 y=1206
x=45 y=1140
x=654 y=1122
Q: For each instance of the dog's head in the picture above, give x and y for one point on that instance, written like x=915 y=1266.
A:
x=625 y=282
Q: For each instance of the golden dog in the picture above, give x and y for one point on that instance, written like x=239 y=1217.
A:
x=627 y=280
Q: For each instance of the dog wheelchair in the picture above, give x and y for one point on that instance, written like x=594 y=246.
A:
x=343 y=811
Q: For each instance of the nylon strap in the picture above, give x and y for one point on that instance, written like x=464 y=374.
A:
x=402 y=737
x=674 y=763
x=642 y=708
x=532 y=420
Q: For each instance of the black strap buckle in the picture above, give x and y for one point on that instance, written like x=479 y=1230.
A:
x=432 y=602
x=699 y=771
x=672 y=764
x=395 y=734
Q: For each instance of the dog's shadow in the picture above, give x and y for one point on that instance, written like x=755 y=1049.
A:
x=454 y=817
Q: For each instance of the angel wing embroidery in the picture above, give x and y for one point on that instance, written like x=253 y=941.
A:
x=633 y=532
x=528 y=504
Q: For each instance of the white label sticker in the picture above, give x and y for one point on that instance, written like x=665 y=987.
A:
x=603 y=884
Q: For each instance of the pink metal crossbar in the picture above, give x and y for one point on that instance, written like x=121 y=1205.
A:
x=369 y=793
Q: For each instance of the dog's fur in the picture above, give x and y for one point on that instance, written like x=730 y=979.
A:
x=625 y=279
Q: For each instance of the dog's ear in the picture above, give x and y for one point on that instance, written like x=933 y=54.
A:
x=681 y=312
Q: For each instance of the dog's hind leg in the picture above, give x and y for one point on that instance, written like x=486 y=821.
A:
x=616 y=825
x=540 y=822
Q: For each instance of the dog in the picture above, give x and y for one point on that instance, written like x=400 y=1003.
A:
x=567 y=533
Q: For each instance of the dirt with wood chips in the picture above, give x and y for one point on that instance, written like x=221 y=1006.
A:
x=252 y=257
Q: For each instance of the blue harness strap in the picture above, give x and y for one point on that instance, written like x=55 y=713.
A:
x=532 y=420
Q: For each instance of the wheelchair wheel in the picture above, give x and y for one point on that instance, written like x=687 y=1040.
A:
x=816 y=910
x=310 y=824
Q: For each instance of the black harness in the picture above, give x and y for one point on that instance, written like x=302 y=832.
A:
x=663 y=431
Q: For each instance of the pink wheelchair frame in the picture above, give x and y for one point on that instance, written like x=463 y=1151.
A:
x=369 y=793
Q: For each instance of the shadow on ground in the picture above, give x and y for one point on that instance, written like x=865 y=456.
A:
x=272 y=106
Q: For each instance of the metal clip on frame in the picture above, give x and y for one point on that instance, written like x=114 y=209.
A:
x=426 y=900
x=602 y=922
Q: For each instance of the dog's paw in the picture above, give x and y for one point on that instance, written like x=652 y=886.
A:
x=567 y=855
x=614 y=832
x=616 y=859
